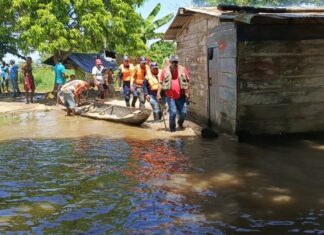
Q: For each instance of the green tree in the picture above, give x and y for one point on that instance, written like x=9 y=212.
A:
x=277 y=3
x=7 y=40
x=161 y=50
x=149 y=25
x=77 y=25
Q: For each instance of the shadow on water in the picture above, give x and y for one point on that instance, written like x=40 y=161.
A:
x=90 y=177
x=260 y=187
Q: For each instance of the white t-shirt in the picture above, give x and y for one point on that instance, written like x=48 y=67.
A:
x=98 y=73
x=71 y=86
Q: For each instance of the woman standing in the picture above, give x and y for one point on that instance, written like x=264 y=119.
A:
x=29 y=83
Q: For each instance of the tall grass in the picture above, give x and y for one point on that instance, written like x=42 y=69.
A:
x=44 y=78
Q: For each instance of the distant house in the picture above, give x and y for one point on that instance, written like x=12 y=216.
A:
x=83 y=63
x=253 y=70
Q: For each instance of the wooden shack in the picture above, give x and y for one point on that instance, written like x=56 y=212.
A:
x=253 y=70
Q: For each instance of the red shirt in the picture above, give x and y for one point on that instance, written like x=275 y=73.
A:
x=175 y=91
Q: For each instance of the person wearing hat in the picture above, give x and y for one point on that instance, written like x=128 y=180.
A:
x=151 y=85
x=60 y=76
x=97 y=73
x=13 y=76
x=175 y=83
x=125 y=75
x=140 y=72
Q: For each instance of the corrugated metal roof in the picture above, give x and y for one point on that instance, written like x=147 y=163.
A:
x=281 y=18
x=183 y=15
x=297 y=17
x=251 y=9
x=213 y=11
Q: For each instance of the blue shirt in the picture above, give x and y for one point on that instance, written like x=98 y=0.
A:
x=59 y=70
x=13 y=71
x=4 y=71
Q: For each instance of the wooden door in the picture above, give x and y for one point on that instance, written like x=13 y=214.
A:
x=212 y=53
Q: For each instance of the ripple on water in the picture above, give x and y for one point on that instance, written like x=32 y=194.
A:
x=97 y=185
x=93 y=185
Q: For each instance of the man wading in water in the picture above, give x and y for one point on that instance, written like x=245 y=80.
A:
x=125 y=75
x=175 y=82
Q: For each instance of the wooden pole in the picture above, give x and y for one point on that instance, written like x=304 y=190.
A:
x=163 y=118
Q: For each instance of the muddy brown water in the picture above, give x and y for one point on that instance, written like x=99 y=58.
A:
x=61 y=175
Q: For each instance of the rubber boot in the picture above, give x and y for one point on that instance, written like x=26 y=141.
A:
x=134 y=101
x=160 y=115
x=142 y=105
x=127 y=103
x=156 y=117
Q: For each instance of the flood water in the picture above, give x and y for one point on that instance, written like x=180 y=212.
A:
x=61 y=175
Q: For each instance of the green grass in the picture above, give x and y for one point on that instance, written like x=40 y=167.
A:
x=44 y=78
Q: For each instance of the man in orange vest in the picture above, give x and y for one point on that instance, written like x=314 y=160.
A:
x=175 y=82
x=125 y=75
x=140 y=71
x=151 y=85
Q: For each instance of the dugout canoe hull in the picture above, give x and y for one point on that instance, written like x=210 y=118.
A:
x=114 y=113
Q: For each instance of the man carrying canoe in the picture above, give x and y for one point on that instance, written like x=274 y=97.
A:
x=71 y=93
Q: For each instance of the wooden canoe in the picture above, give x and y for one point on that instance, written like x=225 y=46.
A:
x=114 y=113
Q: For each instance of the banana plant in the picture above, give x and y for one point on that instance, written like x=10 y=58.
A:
x=149 y=25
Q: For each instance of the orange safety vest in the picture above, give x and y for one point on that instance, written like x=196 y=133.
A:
x=140 y=74
x=126 y=72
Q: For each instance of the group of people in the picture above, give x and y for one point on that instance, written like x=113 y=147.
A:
x=9 y=75
x=104 y=79
x=145 y=81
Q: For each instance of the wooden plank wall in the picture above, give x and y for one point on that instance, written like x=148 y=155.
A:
x=224 y=104
x=191 y=49
x=280 y=86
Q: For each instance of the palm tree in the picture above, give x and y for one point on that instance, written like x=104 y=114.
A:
x=149 y=25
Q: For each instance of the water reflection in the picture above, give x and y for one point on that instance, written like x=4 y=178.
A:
x=97 y=178
x=94 y=185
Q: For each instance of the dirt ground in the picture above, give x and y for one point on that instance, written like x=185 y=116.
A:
x=45 y=102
